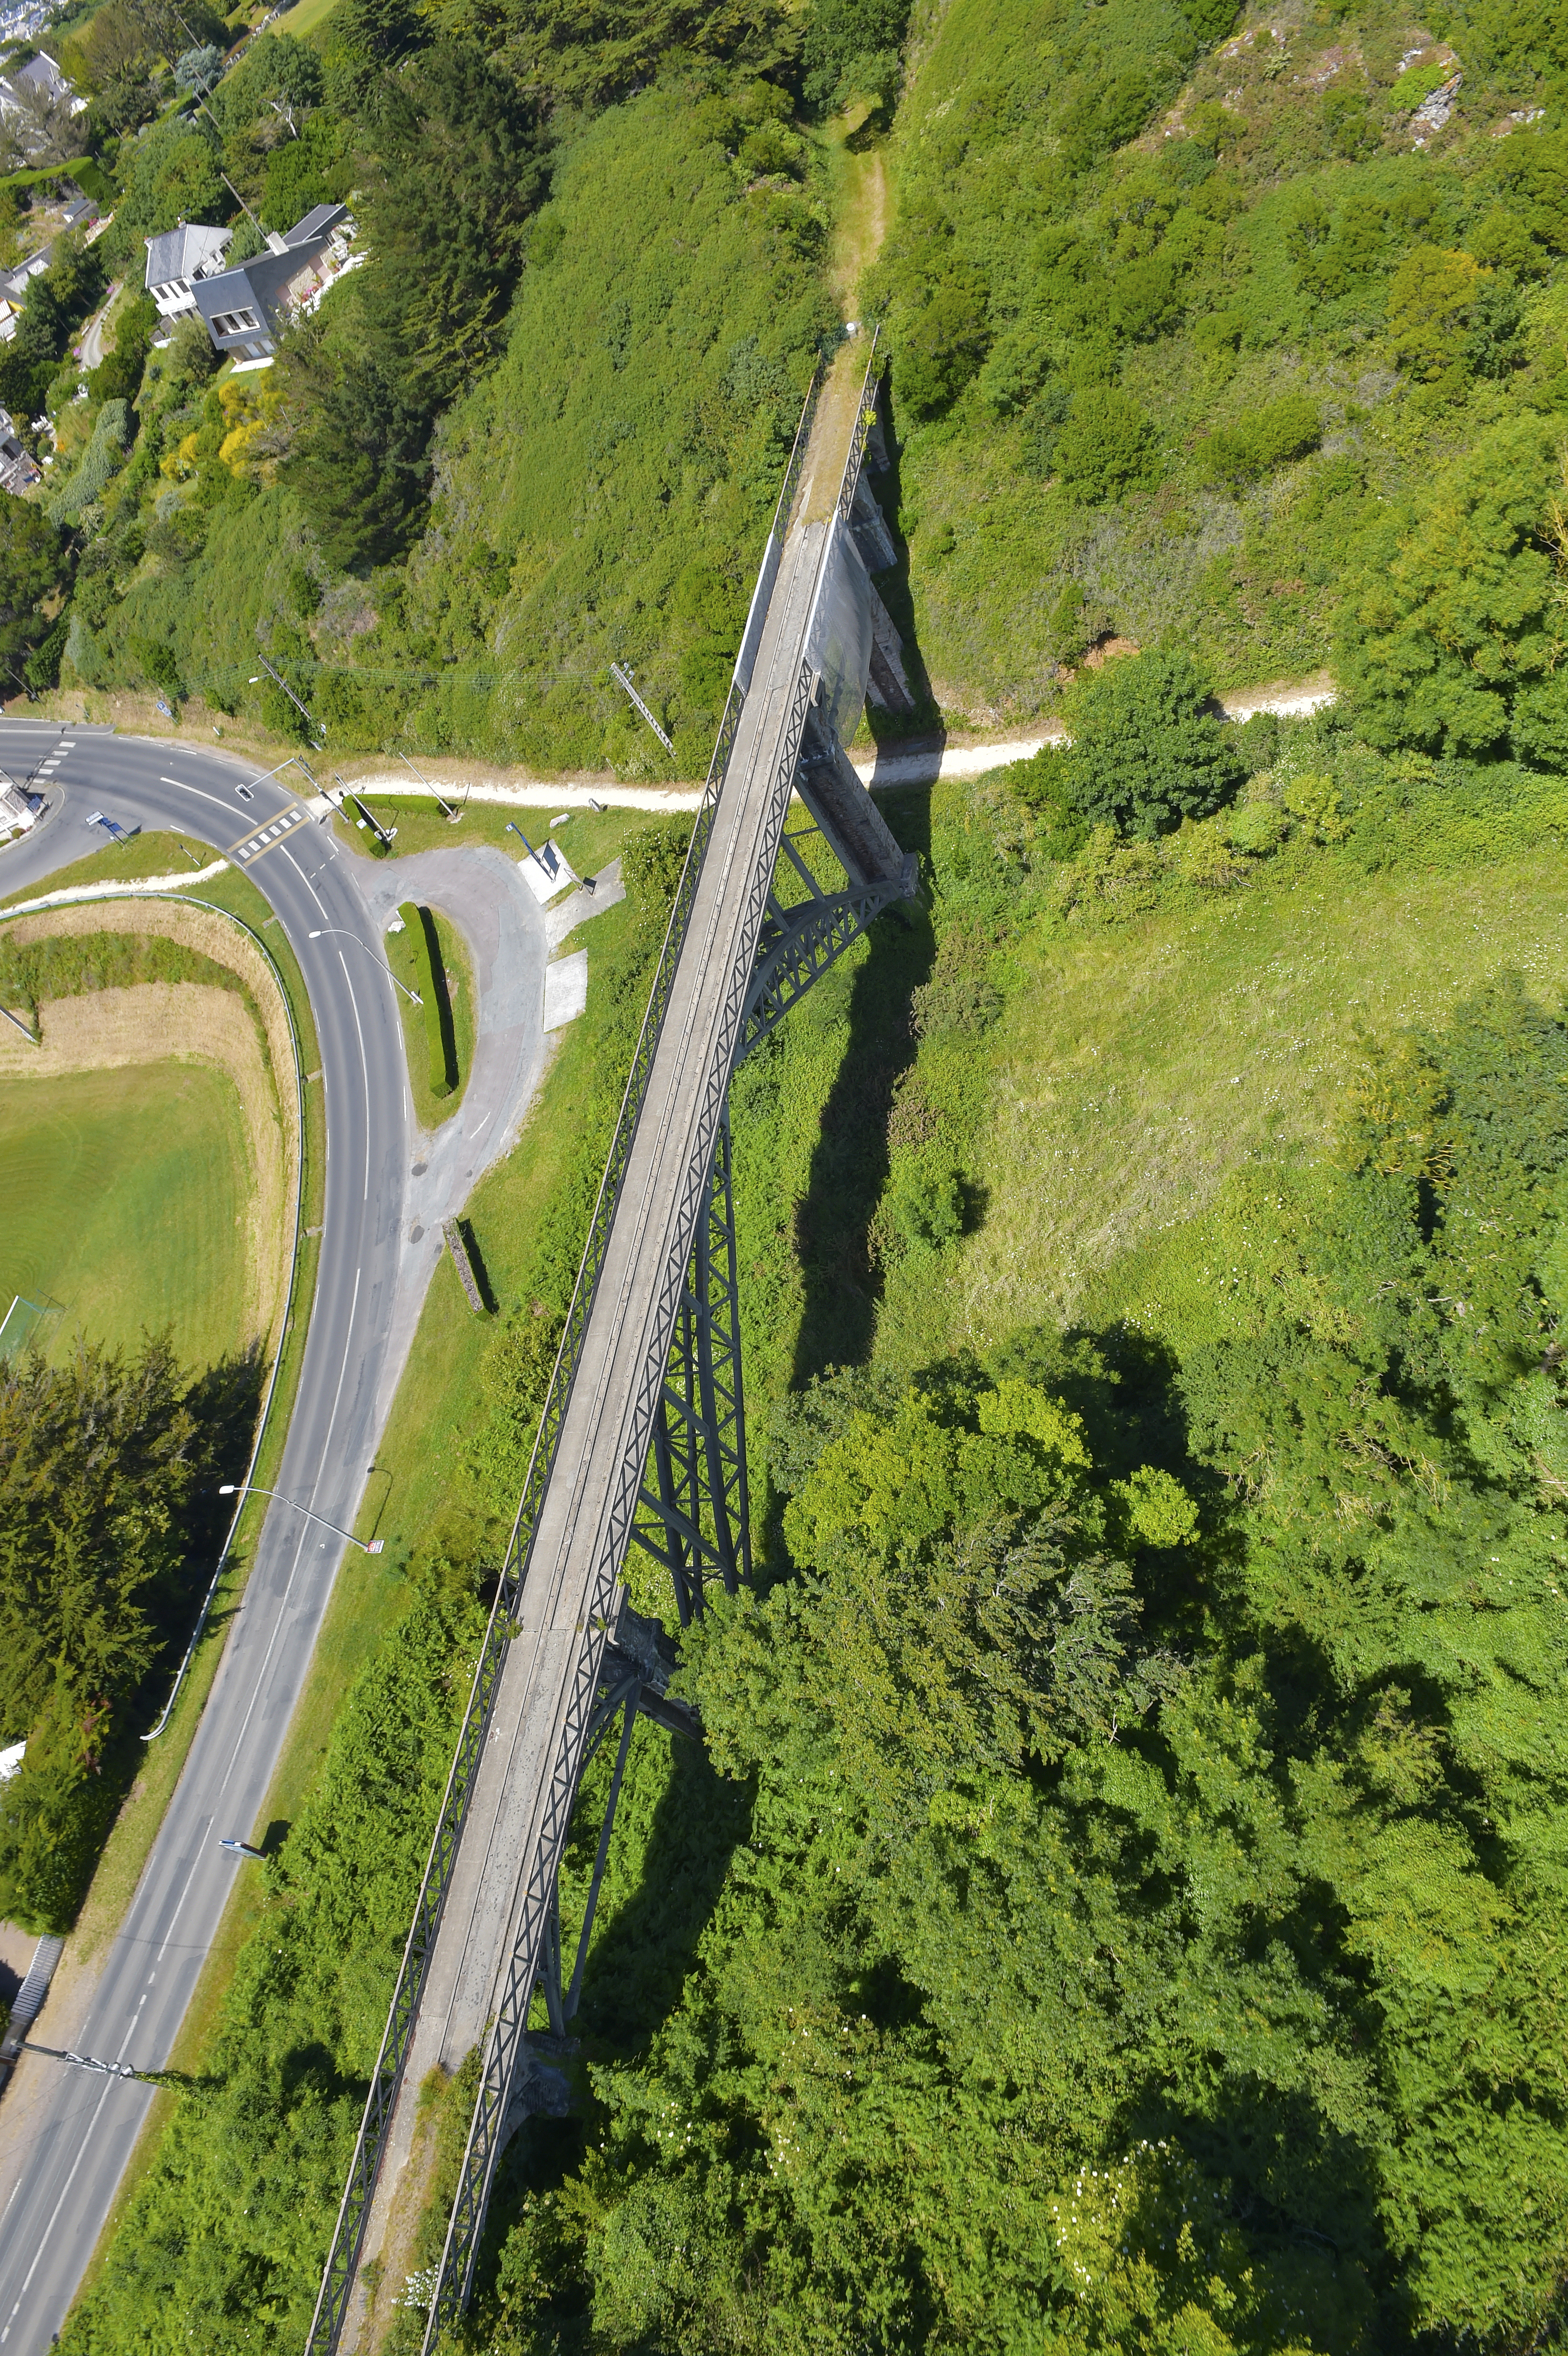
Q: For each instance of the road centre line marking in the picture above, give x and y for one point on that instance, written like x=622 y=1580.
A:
x=299 y=1546
x=76 y=2163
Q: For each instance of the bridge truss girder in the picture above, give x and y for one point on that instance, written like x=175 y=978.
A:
x=690 y=1509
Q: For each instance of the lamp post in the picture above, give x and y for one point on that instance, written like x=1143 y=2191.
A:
x=102 y=2069
x=321 y=935
x=250 y=1489
x=311 y=722
x=451 y=815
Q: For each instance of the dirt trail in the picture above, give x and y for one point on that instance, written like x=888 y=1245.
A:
x=860 y=220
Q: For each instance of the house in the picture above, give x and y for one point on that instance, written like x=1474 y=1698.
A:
x=177 y=259
x=18 y=471
x=14 y=289
x=243 y=306
x=39 y=79
x=83 y=214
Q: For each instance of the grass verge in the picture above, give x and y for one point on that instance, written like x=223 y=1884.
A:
x=589 y=840
x=122 y=863
x=431 y=1111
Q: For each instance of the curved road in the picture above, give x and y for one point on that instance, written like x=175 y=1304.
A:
x=65 y=2138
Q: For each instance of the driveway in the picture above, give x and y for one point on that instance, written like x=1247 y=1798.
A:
x=506 y=935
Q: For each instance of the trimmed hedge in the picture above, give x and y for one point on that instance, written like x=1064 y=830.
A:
x=440 y=1037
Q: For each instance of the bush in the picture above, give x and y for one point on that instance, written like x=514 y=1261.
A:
x=1261 y=440
x=161 y=666
x=1106 y=447
x=925 y=1206
x=439 y=1038
x=1146 y=749
x=941 y=348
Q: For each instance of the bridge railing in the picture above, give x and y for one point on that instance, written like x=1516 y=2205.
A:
x=337 y=2280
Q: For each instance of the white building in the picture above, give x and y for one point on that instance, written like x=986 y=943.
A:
x=40 y=79
x=19 y=812
x=177 y=260
x=19 y=472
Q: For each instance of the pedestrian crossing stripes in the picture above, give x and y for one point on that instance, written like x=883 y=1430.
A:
x=264 y=837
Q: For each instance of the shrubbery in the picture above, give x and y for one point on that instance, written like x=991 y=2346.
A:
x=103 y=1538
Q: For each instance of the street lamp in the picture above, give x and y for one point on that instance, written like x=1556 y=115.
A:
x=250 y=1489
x=90 y=2062
x=451 y=815
x=323 y=930
x=276 y=676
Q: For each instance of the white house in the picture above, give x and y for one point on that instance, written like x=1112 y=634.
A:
x=39 y=78
x=177 y=259
x=245 y=307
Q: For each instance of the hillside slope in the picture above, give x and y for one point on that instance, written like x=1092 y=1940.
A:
x=1188 y=344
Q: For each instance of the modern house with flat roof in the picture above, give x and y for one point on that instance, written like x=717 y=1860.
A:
x=243 y=306
x=177 y=259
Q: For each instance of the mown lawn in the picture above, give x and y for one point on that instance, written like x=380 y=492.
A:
x=431 y=1111
x=1138 y=1067
x=126 y=1201
x=119 y=862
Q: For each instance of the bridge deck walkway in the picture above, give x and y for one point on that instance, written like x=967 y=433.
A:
x=515 y=1817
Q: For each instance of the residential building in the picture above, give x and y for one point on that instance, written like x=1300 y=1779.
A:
x=40 y=78
x=19 y=472
x=245 y=307
x=81 y=214
x=177 y=259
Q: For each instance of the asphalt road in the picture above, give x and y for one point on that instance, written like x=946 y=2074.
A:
x=62 y=2153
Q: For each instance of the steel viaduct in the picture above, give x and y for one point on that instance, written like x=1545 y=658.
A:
x=642 y=1439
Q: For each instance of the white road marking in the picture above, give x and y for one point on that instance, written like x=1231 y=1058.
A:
x=293 y=1573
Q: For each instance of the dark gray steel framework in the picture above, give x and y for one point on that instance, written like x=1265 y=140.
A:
x=690 y=1509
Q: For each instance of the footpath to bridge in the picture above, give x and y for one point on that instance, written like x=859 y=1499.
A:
x=565 y=1653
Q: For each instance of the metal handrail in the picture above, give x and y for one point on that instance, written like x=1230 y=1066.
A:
x=326 y=2323
x=507 y=2030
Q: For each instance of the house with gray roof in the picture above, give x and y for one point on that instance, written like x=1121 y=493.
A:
x=39 y=79
x=177 y=259
x=245 y=307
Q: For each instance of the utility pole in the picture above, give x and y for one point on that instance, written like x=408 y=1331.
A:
x=311 y=722
x=624 y=678
x=104 y=2069
x=451 y=815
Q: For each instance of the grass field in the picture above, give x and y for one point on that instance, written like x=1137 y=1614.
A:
x=1136 y=1068
x=438 y=1398
x=126 y=1201
x=305 y=18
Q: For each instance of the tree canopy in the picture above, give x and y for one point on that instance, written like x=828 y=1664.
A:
x=1146 y=748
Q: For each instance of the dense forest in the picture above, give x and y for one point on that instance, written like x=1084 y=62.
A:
x=1119 y=1901
x=108 y=1530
